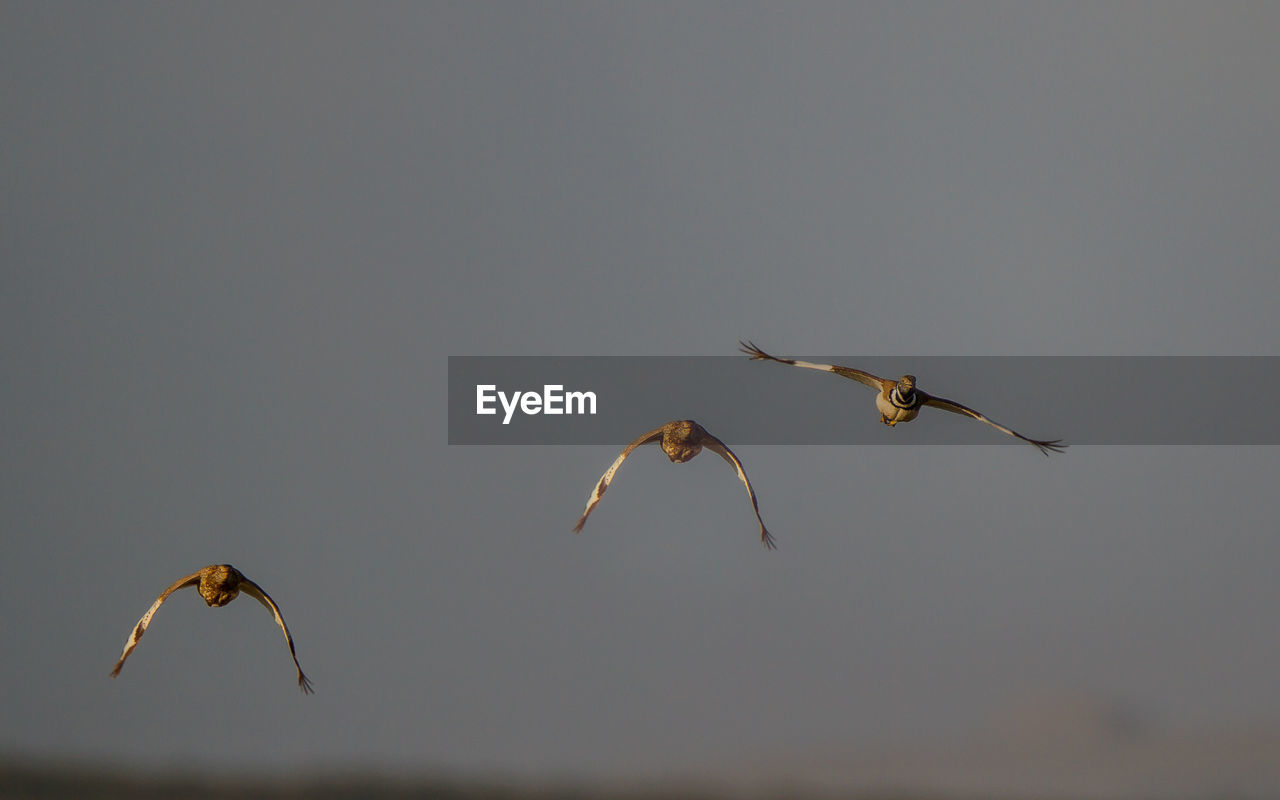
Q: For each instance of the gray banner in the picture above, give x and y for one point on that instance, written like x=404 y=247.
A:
x=1080 y=399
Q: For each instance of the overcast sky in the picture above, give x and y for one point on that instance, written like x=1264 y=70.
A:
x=239 y=242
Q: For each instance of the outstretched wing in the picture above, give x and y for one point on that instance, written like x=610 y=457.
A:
x=722 y=449
x=255 y=591
x=141 y=627
x=603 y=484
x=1044 y=446
x=865 y=378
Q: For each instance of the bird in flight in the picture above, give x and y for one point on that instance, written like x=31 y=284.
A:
x=218 y=584
x=681 y=440
x=900 y=400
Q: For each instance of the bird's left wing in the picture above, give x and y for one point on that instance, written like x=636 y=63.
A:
x=141 y=627
x=602 y=485
x=721 y=449
x=255 y=591
x=1043 y=445
x=865 y=378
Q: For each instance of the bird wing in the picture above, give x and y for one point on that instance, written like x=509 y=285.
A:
x=722 y=449
x=865 y=378
x=141 y=627
x=1044 y=446
x=603 y=484
x=255 y=591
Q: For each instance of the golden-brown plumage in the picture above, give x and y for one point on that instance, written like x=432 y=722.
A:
x=681 y=440
x=218 y=584
x=900 y=400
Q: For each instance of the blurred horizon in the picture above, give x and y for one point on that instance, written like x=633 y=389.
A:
x=1055 y=744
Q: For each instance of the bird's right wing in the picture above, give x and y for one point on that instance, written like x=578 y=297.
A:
x=141 y=627
x=256 y=592
x=603 y=484
x=1045 y=446
x=865 y=378
x=721 y=449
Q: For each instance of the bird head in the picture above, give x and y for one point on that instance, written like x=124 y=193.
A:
x=219 y=584
x=682 y=440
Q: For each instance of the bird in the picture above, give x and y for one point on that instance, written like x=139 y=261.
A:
x=900 y=400
x=681 y=440
x=218 y=584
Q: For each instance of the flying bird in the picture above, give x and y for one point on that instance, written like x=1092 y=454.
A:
x=900 y=400
x=681 y=440
x=218 y=584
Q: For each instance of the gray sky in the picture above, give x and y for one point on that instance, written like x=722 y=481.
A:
x=240 y=241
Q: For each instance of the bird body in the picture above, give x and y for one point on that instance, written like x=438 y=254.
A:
x=680 y=440
x=900 y=400
x=218 y=584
